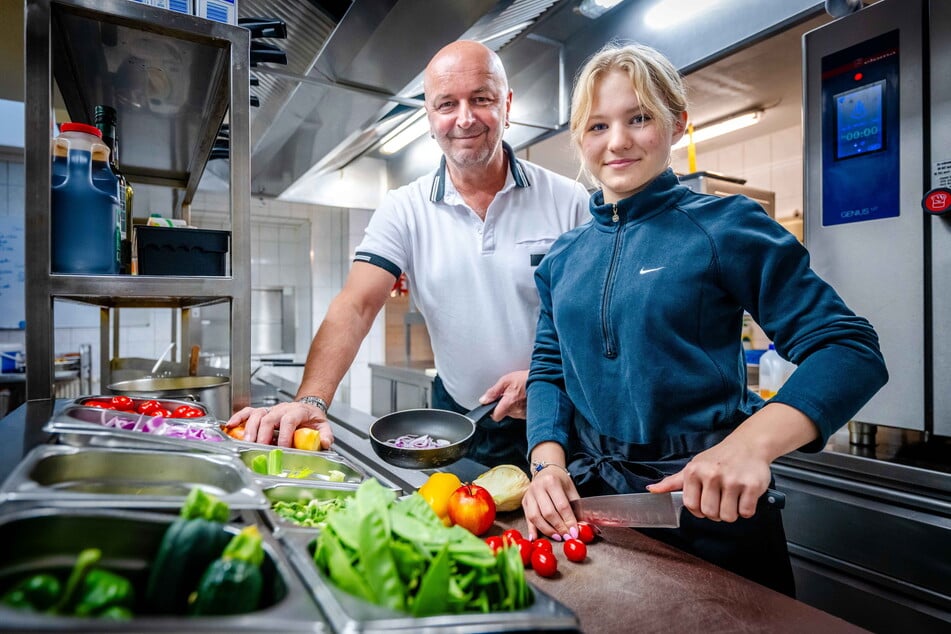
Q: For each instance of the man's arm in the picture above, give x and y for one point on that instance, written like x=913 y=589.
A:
x=332 y=351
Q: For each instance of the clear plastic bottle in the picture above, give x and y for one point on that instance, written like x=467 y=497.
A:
x=773 y=372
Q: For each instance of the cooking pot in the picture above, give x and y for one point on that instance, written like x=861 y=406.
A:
x=214 y=392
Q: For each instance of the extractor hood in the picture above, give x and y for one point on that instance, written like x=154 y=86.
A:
x=348 y=83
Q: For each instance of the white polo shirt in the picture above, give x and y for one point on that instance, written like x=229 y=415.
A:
x=473 y=280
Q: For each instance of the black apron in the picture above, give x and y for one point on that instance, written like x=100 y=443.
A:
x=754 y=548
x=494 y=443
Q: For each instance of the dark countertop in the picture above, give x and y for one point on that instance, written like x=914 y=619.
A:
x=629 y=582
x=633 y=583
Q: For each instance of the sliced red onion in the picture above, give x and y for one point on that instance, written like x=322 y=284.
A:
x=416 y=441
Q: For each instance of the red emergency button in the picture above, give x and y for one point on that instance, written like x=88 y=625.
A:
x=937 y=202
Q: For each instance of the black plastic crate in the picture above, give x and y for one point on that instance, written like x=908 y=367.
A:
x=178 y=251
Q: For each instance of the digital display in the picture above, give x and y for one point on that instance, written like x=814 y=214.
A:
x=859 y=120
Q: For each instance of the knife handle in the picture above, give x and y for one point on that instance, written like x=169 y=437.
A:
x=772 y=499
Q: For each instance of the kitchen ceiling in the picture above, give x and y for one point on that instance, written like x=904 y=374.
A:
x=354 y=69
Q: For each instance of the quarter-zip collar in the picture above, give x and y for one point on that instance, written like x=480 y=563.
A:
x=661 y=194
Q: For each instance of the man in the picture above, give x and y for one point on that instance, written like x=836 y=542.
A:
x=469 y=237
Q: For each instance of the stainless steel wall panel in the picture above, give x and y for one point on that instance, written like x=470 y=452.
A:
x=877 y=265
x=940 y=43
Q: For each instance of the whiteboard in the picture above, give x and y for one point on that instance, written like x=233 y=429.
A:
x=12 y=273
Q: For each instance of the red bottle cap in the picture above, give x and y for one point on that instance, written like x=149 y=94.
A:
x=80 y=127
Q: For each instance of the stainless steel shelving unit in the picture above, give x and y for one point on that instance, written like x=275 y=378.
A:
x=172 y=79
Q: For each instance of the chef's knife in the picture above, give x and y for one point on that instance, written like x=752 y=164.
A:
x=654 y=510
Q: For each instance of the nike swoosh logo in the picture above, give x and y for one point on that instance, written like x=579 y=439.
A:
x=643 y=270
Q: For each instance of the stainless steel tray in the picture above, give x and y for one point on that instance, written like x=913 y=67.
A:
x=168 y=403
x=86 y=426
x=97 y=477
x=48 y=539
x=296 y=460
x=298 y=492
x=346 y=613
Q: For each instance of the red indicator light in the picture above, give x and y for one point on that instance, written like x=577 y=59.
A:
x=858 y=76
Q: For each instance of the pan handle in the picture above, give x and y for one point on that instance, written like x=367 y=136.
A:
x=482 y=410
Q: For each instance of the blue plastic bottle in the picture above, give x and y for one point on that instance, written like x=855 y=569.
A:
x=84 y=206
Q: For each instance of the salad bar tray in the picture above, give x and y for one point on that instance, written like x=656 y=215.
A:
x=98 y=477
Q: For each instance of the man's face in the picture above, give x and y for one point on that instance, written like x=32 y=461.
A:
x=467 y=106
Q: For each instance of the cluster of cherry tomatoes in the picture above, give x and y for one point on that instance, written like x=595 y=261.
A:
x=148 y=407
x=539 y=553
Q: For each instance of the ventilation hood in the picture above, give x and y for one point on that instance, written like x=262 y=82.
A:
x=354 y=70
x=350 y=82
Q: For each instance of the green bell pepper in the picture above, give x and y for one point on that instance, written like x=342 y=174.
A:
x=39 y=592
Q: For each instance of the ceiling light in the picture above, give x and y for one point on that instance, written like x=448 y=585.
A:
x=732 y=124
x=596 y=8
x=412 y=129
x=667 y=13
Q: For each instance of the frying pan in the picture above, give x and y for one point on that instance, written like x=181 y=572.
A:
x=457 y=428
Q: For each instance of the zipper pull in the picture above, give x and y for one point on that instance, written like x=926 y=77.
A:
x=615 y=217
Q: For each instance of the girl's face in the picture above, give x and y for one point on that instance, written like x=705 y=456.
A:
x=623 y=146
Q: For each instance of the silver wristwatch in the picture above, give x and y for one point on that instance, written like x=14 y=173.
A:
x=314 y=400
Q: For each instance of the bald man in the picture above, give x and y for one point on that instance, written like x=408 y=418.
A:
x=469 y=236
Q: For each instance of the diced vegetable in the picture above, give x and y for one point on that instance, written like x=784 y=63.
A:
x=312 y=514
x=275 y=462
x=259 y=464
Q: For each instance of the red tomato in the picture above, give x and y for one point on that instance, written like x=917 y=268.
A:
x=99 y=404
x=495 y=543
x=541 y=544
x=512 y=535
x=585 y=532
x=146 y=407
x=123 y=403
x=160 y=411
x=575 y=550
x=473 y=508
x=187 y=411
x=544 y=563
x=525 y=549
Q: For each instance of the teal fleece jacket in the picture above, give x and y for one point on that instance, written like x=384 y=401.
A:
x=641 y=314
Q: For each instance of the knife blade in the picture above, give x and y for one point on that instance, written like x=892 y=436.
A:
x=654 y=510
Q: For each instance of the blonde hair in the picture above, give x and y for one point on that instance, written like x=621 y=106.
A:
x=656 y=81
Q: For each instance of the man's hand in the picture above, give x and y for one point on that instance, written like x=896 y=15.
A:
x=510 y=391
x=260 y=423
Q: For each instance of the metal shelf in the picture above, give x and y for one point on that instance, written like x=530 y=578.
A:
x=173 y=79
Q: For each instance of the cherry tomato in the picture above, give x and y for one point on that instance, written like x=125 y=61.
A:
x=575 y=550
x=160 y=411
x=123 y=403
x=544 y=563
x=99 y=404
x=525 y=549
x=511 y=535
x=146 y=407
x=585 y=532
x=541 y=544
x=187 y=411
x=495 y=543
